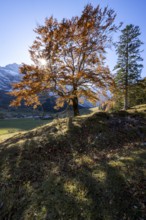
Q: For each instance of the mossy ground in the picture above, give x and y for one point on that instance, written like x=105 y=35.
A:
x=94 y=169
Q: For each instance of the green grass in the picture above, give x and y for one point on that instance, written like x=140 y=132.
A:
x=138 y=108
x=94 y=169
x=17 y=125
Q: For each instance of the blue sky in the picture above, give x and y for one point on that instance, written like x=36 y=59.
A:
x=18 y=19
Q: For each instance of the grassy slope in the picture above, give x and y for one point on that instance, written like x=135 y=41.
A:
x=11 y=126
x=92 y=169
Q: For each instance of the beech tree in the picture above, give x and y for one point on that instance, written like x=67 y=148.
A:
x=73 y=56
x=129 y=60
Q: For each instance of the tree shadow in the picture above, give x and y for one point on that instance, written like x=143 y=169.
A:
x=68 y=177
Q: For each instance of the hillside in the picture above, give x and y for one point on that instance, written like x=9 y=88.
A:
x=90 y=168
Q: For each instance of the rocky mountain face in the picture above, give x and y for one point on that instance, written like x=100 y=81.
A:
x=8 y=75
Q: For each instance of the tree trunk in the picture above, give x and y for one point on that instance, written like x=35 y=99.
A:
x=75 y=106
x=126 y=99
x=126 y=78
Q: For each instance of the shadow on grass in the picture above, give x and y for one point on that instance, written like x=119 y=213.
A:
x=68 y=177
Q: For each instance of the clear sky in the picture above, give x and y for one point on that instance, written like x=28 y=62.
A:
x=18 y=18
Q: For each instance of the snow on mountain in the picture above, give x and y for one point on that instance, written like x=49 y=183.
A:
x=13 y=68
x=8 y=75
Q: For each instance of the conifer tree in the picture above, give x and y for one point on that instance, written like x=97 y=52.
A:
x=74 y=52
x=129 y=60
x=137 y=93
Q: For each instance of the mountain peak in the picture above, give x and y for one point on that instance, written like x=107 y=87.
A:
x=14 y=67
x=8 y=75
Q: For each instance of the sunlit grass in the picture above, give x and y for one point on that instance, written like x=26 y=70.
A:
x=57 y=173
x=138 y=108
x=11 y=127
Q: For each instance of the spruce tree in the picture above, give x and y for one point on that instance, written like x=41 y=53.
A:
x=129 y=60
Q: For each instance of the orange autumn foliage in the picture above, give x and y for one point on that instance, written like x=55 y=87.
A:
x=74 y=50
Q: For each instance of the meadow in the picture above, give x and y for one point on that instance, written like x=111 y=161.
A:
x=9 y=127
